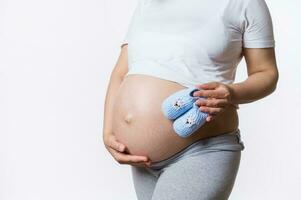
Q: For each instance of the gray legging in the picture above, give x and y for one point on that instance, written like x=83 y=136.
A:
x=205 y=170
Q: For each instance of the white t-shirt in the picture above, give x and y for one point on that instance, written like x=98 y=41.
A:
x=195 y=41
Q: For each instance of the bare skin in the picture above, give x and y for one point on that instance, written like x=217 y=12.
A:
x=262 y=80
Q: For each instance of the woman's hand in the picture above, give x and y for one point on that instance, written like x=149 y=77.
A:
x=217 y=98
x=119 y=153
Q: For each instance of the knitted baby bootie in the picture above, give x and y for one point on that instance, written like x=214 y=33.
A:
x=178 y=103
x=189 y=122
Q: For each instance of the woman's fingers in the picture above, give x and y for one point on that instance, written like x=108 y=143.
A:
x=211 y=111
x=218 y=94
x=209 y=94
x=123 y=158
x=208 y=86
x=113 y=143
x=212 y=102
x=210 y=118
x=215 y=98
x=141 y=164
x=117 y=150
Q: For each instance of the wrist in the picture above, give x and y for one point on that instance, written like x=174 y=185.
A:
x=233 y=96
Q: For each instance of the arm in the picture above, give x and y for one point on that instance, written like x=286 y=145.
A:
x=262 y=81
x=261 y=63
x=116 y=78
x=258 y=45
x=120 y=69
x=115 y=148
x=262 y=76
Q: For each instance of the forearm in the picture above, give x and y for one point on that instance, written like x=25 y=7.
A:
x=255 y=87
x=112 y=89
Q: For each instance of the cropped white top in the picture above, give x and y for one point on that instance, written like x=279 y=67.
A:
x=195 y=41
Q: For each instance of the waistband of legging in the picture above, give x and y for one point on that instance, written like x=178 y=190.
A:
x=228 y=138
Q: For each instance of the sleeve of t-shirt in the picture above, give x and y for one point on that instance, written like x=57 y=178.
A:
x=258 y=25
x=132 y=24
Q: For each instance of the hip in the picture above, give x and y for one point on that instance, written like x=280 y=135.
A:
x=224 y=142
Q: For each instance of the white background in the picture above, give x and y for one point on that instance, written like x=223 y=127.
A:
x=55 y=61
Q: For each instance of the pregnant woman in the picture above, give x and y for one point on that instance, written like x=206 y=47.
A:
x=171 y=45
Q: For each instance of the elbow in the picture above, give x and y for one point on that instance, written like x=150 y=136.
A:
x=118 y=73
x=117 y=76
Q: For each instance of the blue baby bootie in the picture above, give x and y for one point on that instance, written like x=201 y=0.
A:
x=178 y=103
x=189 y=122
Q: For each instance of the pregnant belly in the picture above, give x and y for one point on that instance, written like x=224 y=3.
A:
x=140 y=125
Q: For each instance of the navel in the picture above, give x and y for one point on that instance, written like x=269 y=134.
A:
x=128 y=118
